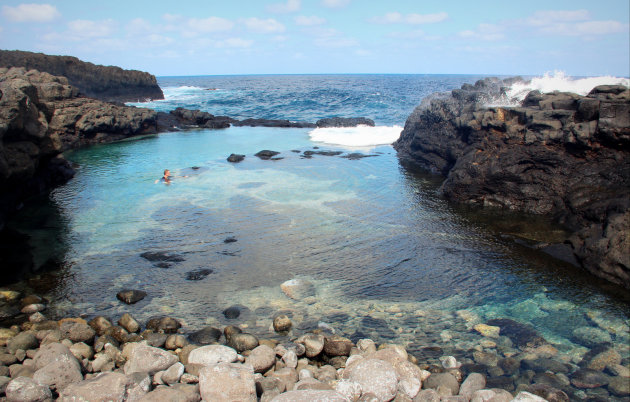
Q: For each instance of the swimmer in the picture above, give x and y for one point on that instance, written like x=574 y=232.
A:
x=166 y=178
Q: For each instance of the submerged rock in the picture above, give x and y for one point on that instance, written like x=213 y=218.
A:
x=131 y=296
x=198 y=274
x=235 y=158
x=205 y=336
x=298 y=289
x=522 y=335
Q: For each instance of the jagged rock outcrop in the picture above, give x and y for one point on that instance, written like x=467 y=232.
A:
x=559 y=154
x=107 y=83
x=344 y=122
x=40 y=117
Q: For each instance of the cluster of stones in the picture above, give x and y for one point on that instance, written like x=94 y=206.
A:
x=72 y=359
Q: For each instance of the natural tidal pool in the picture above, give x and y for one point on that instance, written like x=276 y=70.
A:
x=388 y=258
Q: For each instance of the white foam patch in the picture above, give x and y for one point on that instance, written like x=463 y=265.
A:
x=360 y=136
x=559 y=81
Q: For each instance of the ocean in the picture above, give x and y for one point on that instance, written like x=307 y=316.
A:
x=388 y=257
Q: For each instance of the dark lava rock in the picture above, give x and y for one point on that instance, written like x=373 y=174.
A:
x=323 y=153
x=235 y=158
x=198 y=274
x=161 y=256
x=107 y=83
x=355 y=156
x=557 y=154
x=266 y=154
x=232 y=312
x=205 y=336
x=273 y=123
x=344 y=122
x=167 y=325
x=587 y=378
x=131 y=296
x=163 y=265
x=230 y=240
x=521 y=335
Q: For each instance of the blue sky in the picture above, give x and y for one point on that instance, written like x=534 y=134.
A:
x=581 y=38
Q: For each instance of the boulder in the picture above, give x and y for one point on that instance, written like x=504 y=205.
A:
x=262 y=358
x=27 y=389
x=227 y=381
x=129 y=323
x=282 y=323
x=131 y=296
x=167 y=325
x=337 y=346
x=242 y=342
x=211 y=355
x=445 y=380
x=77 y=332
x=144 y=358
x=102 y=388
x=314 y=344
x=205 y=336
x=310 y=395
x=24 y=341
x=376 y=376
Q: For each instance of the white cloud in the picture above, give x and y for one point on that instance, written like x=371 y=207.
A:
x=411 y=19
x=290 y=6
x=335 y=3
x=489 y=32
x=303 y=20
x=572 y=23
x=546 y=17
x=85 y=29
x=234 y=43
x=263 y=26
x=332 y=38
x=139 y=26
x=31 y=13
x=208 y=25
x=415 y=34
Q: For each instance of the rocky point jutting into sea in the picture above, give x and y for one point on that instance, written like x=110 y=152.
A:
x=559 y=154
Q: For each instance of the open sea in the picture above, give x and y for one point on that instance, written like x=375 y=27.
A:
x=389 y=258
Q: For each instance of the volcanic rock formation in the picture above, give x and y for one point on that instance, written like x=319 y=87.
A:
x=560 y=154
x=106 y=83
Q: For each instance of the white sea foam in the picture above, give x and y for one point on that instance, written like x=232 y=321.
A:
x=360 y=136
x=559 y=81
x=556 y=81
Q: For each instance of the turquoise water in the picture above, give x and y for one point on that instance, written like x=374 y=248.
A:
x=389 y=258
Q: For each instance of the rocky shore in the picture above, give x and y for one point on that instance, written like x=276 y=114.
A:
x=103 y=359
x=559 y=154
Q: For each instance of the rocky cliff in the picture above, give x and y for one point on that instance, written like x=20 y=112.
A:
x=41 y=116
x=106 y=83
x=560 y=154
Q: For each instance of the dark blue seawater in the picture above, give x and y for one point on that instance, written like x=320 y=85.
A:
x=386 y=99
x=389 y=258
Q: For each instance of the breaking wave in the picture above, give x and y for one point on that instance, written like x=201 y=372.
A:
x=360 y=136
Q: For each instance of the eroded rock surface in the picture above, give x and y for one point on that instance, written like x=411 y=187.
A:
x=559 y=154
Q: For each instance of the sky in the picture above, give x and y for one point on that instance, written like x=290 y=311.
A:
x=208 y=37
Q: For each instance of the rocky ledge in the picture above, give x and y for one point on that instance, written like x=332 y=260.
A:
x=106 y=83
x=560 y=154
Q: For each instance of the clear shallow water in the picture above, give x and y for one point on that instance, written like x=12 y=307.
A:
x=389 y=258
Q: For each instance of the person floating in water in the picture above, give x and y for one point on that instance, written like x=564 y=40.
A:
x=166 y=179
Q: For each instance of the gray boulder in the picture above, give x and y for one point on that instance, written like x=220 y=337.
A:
x=227 y=381
x=211 y=355
x=144 y=358
x=309 y=395
x=376 y=376
x=102 y=388
x=24 y=389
